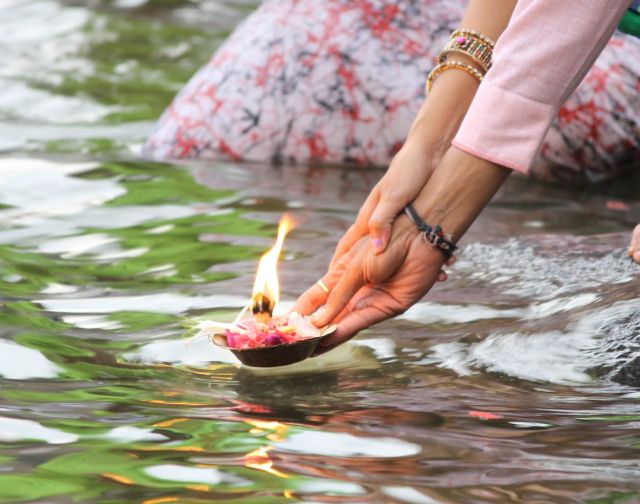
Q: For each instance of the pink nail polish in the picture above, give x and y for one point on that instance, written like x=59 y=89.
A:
x=376 y=243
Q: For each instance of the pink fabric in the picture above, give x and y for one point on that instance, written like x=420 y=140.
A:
x=539 y=60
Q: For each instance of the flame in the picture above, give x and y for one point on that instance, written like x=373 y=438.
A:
x=267 y=277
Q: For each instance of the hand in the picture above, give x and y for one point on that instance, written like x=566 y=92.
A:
x=407 y=174
x=429 y=138
x=366 y=288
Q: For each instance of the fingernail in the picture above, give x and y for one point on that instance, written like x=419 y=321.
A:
x=376 y=243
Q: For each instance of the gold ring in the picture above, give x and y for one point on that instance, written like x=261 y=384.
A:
x=323 y=286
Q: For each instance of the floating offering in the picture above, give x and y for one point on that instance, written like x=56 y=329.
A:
x=261 y=339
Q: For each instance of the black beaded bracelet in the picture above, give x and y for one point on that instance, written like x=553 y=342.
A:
x=433 y=235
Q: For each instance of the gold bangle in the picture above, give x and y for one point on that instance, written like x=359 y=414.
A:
x=472 y=33
x=458 y=65
x=477 y=46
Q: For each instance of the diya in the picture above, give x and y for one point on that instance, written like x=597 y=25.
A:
x=259 y=338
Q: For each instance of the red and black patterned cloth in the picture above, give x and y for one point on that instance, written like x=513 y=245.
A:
x=340 y=81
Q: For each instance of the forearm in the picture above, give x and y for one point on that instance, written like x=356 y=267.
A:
x=429 y=138
x=444 y=109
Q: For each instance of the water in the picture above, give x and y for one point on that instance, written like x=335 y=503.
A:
x=512 y=382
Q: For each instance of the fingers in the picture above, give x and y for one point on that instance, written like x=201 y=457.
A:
x=634 y=247
x=442 y=276
x=380 y=222
x=348 y=240
x=315 y=296
x=374 y=304
x=339 y=297
x=357 y=320
x=310 y=300
x=359 y=228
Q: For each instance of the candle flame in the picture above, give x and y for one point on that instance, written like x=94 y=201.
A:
x=266 y=283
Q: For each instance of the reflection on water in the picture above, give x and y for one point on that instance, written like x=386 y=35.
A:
x=513 y=382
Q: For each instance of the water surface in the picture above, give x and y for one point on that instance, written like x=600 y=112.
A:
x=513 y=382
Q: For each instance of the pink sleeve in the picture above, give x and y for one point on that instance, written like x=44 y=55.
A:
x=546 y=50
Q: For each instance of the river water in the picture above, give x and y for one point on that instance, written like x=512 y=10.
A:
x=515 y=381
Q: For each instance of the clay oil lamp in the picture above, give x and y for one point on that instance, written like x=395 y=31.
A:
x=259 y=338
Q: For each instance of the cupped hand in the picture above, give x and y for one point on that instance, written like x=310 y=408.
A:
x=407 y=174
x=366 y=288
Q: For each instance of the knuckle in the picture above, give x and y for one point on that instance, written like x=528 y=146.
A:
x=341 y=264
x=342 y=244
x=376 y=222
x=393 y=194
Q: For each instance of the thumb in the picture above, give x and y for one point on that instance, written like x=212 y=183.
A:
x=380 y=222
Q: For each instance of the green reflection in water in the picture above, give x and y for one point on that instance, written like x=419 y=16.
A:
x=16 y=488
x=150 y=183
x=128 y=321
x=89 y=146
x=616 y=498
x=99 y=464
x=168 y=251
x=138 y=65
x=25 y=314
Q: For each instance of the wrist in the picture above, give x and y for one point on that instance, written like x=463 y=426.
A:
x=458 y=190
x=434 y=235
x=403 y=230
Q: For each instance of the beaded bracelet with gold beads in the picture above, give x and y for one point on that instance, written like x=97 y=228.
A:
x=458 y=65
x=477 y=46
